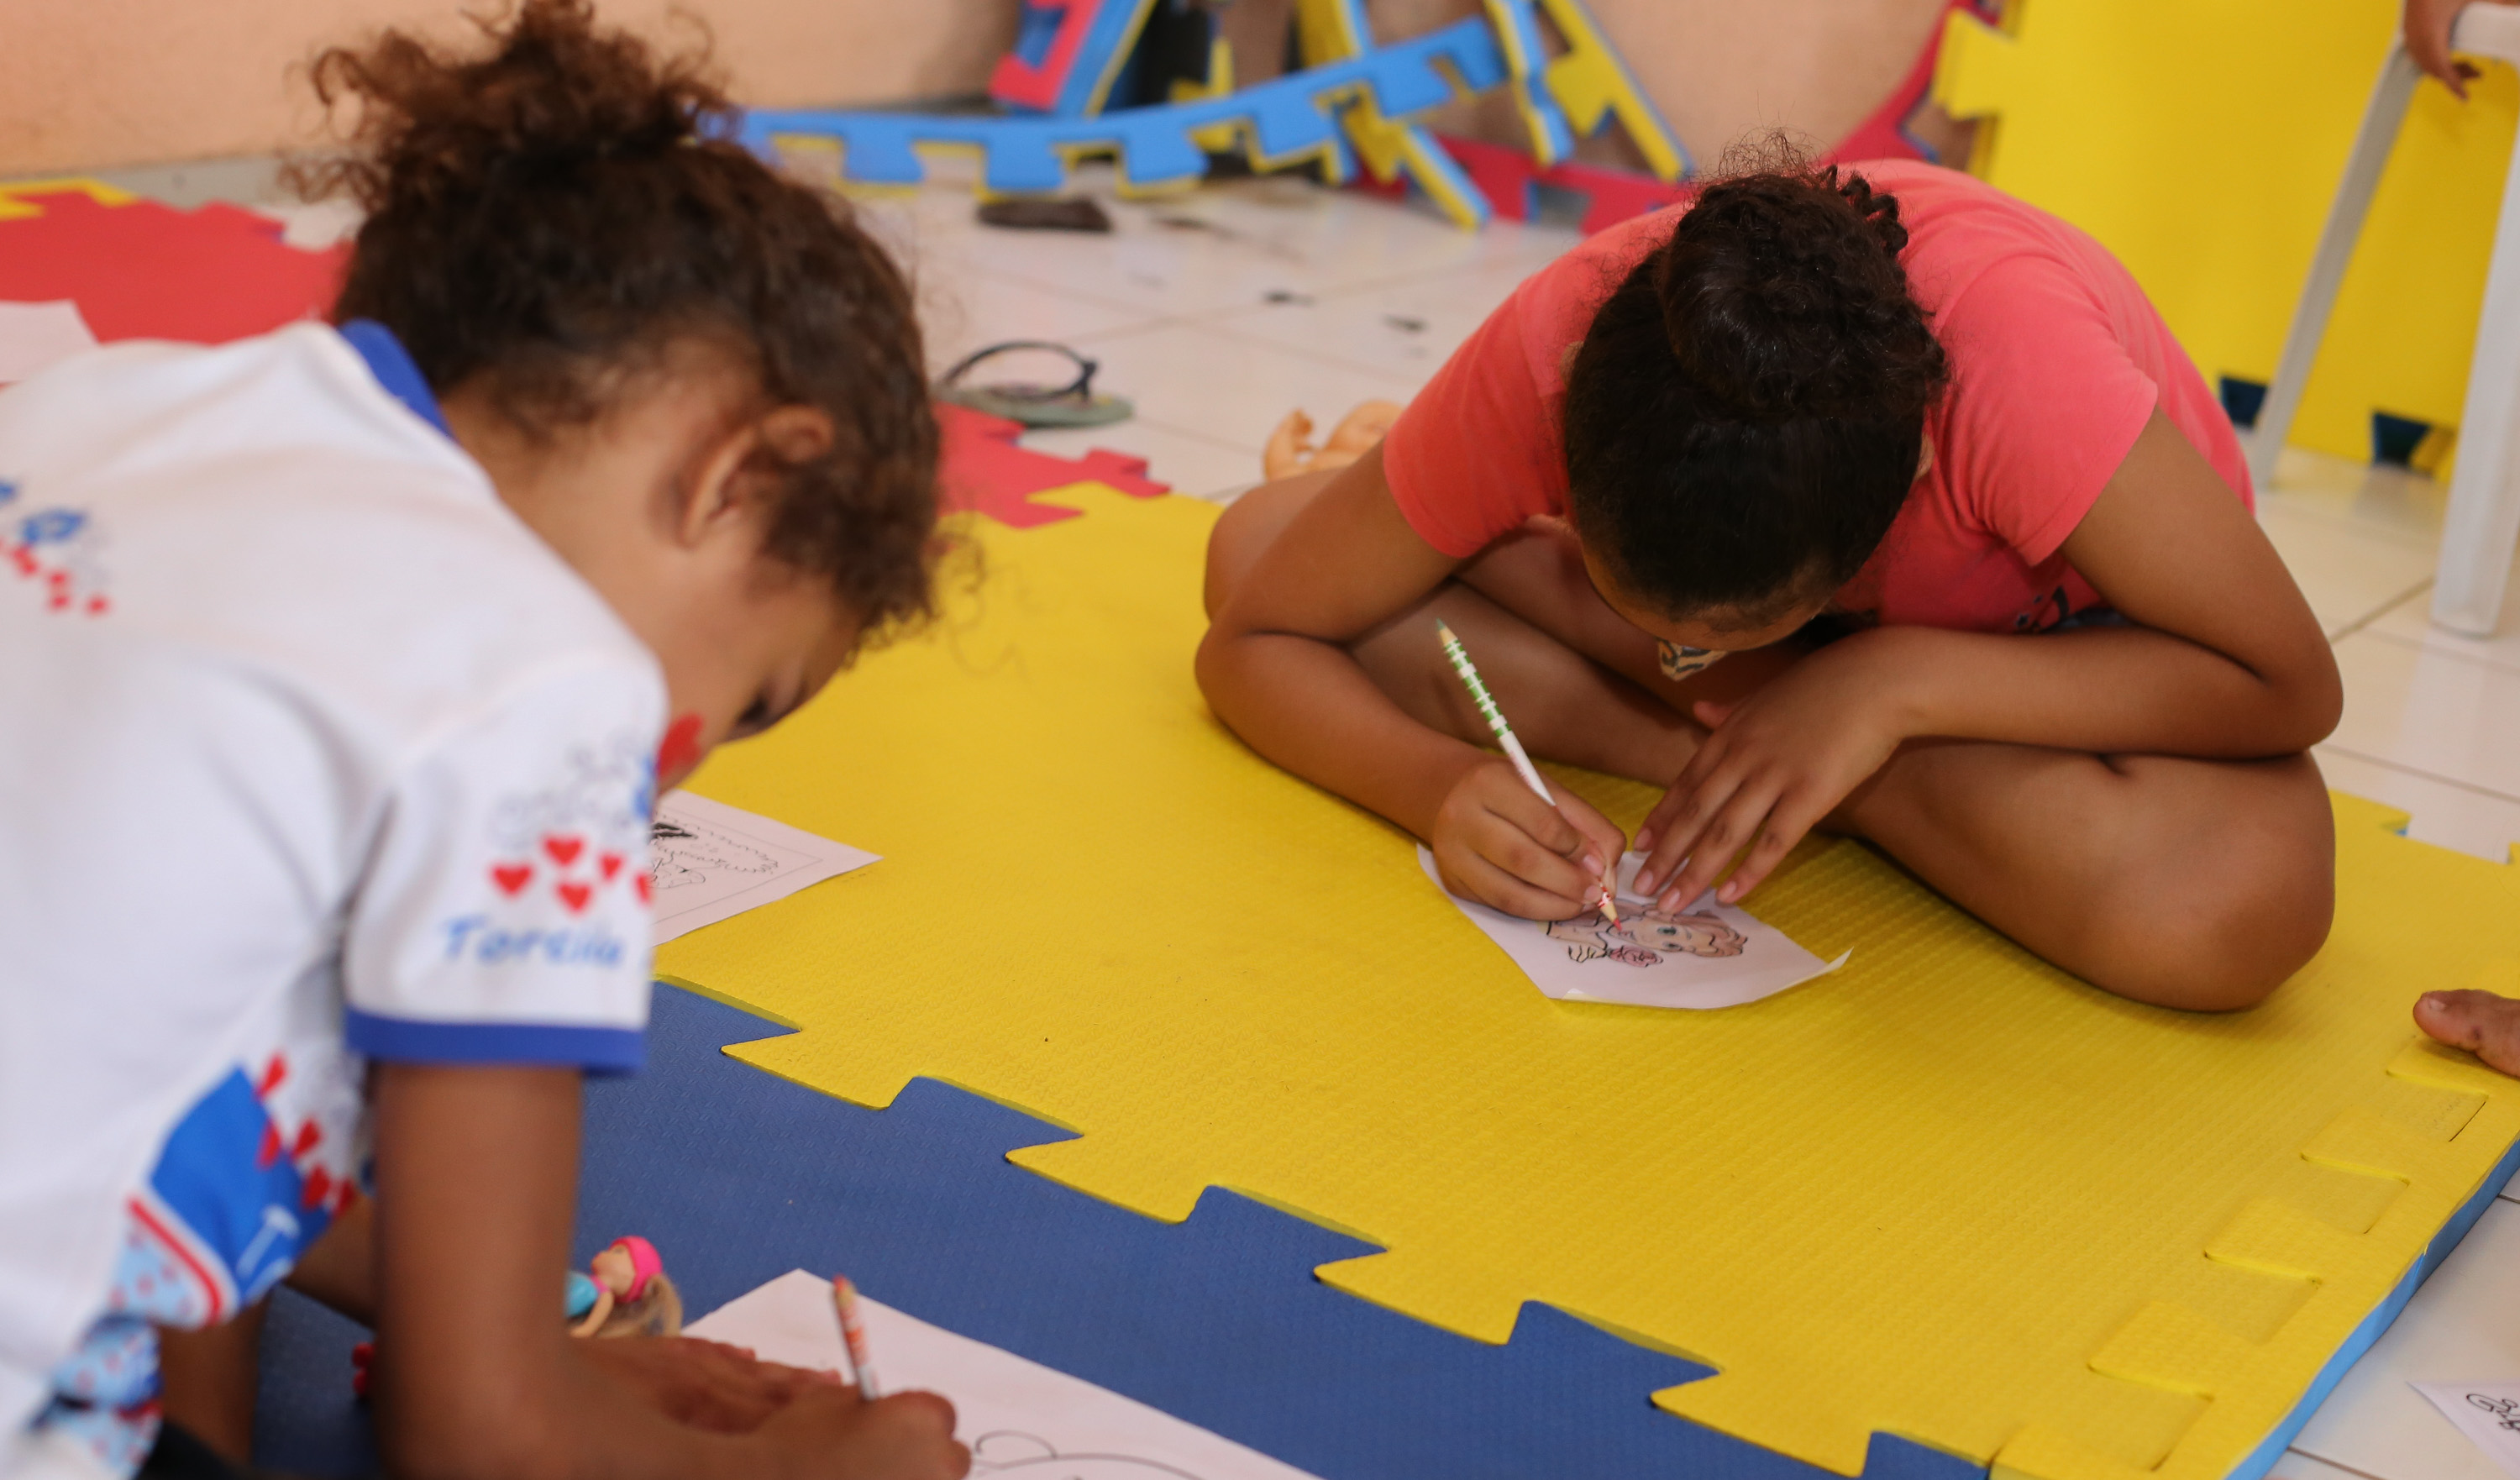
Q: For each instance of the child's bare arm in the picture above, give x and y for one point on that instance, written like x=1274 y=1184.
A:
x=1275 y=668
x=476 y=1377
x=2225 y=660
x=701 y=1383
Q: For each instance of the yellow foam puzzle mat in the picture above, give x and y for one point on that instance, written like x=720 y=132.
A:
x=2203 y=143
x=15 y=206
x=1948 y=1192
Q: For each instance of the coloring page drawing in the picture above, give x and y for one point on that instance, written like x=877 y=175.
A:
x=1705 y=956
x=1021 y=1419
x=708 y=861
x=2486 y=1412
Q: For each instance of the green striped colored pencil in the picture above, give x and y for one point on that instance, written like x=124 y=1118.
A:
x=1506 y=737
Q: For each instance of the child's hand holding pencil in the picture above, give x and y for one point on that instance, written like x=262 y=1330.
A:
x=1506 y=839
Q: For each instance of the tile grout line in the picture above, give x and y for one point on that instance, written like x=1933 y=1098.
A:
x=2332 y=1465
x=1209 y=437
x=2419 y=645
x=2404 y=770
x=2413 y=541
x=1363 y=284
x=1358 y=367
x=1326 y=362
x=2377 y=612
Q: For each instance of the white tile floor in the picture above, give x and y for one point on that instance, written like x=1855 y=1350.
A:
x=1216 y=312
x=1222 y=310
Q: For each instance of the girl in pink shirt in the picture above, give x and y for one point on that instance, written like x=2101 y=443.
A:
x=1864 y=432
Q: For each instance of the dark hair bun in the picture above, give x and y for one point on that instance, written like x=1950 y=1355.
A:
x=1741 y=423
x=556 y=97
x=1783 y=299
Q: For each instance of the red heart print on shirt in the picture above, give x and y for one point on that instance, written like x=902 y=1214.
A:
x=511 y=878
x=646 y=893
x=611 y=864
x=564 y=851
x=575 y=896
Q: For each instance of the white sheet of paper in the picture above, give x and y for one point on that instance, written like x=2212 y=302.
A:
x=1708 y=956
x=708 y=861
x=1018 y=1416
x=2486 y=1412
x=33 y=335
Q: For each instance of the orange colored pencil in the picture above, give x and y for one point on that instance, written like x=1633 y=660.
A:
x=845 y=1299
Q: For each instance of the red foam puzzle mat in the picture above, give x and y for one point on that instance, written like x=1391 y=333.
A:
x=986 y=473
x=139 y=270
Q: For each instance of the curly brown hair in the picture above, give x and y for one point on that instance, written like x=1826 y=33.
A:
x=552 y=215
x=1743 y=419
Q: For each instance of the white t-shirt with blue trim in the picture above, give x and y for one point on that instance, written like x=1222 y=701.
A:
x=311 y=753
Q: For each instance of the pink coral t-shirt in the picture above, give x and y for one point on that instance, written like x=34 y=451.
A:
x=2058 y=360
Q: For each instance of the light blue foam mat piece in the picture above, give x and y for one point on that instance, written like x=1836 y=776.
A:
x=1290 y=116
x=739 y=1176
x=2271 y=1451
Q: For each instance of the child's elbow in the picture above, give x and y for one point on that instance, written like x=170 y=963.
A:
x=2317 y=704
x=2299 y=704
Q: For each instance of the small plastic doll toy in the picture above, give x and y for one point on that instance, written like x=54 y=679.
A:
x=627 y=1293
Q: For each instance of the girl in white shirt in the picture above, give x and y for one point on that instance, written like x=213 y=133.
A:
x=342 y=668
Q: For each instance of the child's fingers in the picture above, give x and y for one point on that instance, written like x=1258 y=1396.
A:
x=1536 y=843
x=1608 y=843
x=1694 y=795
x=1734 y=825
x=1473 y=876
x=1695 y=807
x=703 y=1385
x=1784 y=827
x=908 y=1436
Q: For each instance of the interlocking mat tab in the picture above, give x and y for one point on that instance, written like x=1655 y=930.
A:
x=1948 y=1193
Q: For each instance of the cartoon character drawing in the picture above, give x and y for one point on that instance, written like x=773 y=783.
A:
x=1011 y=1452
x=681 y=852
x=2504 y=1412
x=1643 y=936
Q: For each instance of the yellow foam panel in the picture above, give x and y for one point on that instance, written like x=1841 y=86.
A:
x=2202 y=143
x=1949 y=1193
x=14 y=205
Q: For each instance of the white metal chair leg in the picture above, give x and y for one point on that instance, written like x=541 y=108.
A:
x=2381 y=119
x=2483 y=525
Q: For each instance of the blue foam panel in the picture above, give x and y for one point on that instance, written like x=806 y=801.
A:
x=1290 y=116
x=739 y=1176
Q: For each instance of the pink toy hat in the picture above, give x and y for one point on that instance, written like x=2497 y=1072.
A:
x=645 y=1264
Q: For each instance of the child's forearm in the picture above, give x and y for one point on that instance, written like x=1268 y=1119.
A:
x=2121 y=690
x=1311 y=708
x=339 y=1269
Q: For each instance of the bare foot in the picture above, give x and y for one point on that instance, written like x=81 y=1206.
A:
x=2483 y=1024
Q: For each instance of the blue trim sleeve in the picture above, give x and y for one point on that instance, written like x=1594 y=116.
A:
x=404 y=1040
x=394 y=370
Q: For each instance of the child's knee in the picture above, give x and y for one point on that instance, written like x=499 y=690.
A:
x=1248 y=526
x=2234 y=924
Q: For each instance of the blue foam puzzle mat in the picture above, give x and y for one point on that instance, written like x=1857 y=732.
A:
x=739 y=1176
x=1290 y=117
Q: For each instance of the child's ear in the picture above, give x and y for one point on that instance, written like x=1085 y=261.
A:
x=718 y=496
